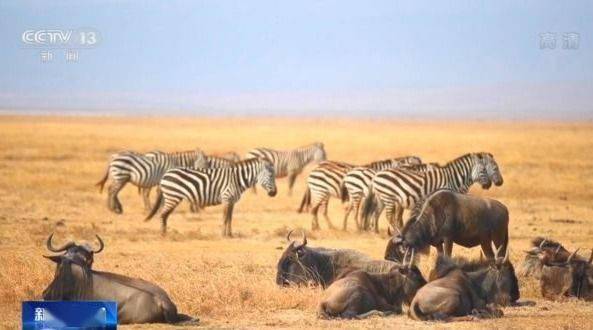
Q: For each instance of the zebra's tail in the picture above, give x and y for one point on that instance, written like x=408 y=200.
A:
x=157 y=204
x=344 y=193
x=306 y=202
x=101 y=183
x=369 y=205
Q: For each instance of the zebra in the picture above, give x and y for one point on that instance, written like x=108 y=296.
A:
x=144 y=171
x=356 y=182
x=213 y=186
x=398 y=189
x=290 y=163
x=326 y=181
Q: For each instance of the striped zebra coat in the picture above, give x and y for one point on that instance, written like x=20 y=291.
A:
x=290 y=163
x=213 y=186
x=143 y=171
x=357 y=181
x=397 y=189
x=326 y=180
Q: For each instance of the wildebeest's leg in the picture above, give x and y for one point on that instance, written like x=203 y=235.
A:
x=291 y=180
x=487 y=248
x=146 y=198
x=325 y=216
x=501 y=244
x=439 y=248
x=448 y=247
x=112 y=201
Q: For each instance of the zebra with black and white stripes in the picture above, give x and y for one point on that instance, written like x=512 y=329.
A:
x=212 y=186
x=144 y=171
x=397 y=189
x=292 y=162
x=326 y=180
x=356 y=182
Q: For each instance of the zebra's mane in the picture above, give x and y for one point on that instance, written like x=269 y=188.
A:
x=462 y=157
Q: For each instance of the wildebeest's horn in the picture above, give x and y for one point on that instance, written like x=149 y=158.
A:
x=572 y=256
x=389 y=231
x=304 y=238
x=556 y=252
x=591 y=257
x=58 y=249
x=405 y=256
x=411 y=259
x=506 y=256
x=498 y=251
x=541 y=245
x=101 y=245
x=288 y=236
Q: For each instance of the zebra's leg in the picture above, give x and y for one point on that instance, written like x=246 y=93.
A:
x=315 y=220
x=325 y=216
x=355 y=202
x=113 y=202
x=347 y=211
x=230 y=220
x=170 y=205
x=390 y=213
x=377 y=216
x=146 y=198
x=226 y=219
x=291 y=180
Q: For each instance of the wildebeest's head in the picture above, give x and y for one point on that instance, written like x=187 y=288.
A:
x=297 y=264
x=414 y=235
x=479 y=172
x=571 y=278
x=266 y=177
x=319 y=153
x=500 y=283
x=492 y=169
x=65 y=285
x=407 y=278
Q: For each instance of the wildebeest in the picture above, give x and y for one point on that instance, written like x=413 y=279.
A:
x=448 y=217
x=358 y=293
x=561 y=273
x=463 y=288
x=301 y=264
x=138 y=301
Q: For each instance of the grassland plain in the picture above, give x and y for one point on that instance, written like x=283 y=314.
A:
x=49 y=165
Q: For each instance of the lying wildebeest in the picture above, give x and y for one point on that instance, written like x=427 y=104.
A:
x=447 y=217
x=138 y=301
x=561 y=273
x=466 y=288
x=357 y=293
x=301 y=264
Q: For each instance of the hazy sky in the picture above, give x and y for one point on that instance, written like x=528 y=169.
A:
x=355 y=58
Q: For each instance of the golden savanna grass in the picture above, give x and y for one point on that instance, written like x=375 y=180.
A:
x=49 y=165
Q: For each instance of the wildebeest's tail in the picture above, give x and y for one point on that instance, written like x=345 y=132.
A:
x=415 y=313
x=344 y=193
x=101 y=183
x=306 y=202
x=369 y=205
x=157 y=204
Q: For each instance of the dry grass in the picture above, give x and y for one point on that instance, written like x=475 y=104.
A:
x=48 y=167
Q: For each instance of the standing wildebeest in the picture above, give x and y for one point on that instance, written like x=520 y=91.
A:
x=561 y=273
x=358 y=293
x=463 y=288
x=301 y=264
x=213 y=186
x=292 y=162
x=447 y=217
x=397 y=189
x=138 y=301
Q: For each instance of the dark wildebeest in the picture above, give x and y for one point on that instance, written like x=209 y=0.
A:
x=466 y=288
x=138 y=301
x=561 y=273
x=448 y=217
x=357 y=293
x=301 y=264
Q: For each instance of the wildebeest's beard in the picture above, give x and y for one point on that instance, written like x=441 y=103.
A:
x=68 y=286
x=581 y=286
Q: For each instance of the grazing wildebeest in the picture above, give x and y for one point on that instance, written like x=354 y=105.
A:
x=561 y=273
x=448 y=217
x=138 y=301
x=357 y=293
x=466 y=288
x=301 y=264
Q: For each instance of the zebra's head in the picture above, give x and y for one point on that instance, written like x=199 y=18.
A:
x=266 y=177
x=479 y=172
x=492 y=169
x=201 y=161
x=411 y=160
x=319 y=152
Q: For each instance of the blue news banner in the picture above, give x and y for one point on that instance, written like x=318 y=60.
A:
x=40 y=315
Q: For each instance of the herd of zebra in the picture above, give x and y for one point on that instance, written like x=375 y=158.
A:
x=204 y=180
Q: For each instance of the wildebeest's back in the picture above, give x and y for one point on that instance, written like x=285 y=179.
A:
x=346 y=258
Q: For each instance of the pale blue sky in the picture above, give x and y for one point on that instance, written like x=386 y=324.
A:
x=362 y=58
